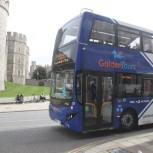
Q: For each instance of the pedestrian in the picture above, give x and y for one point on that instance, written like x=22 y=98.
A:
x=22 y=99
x=42 y=97
x=17 y=98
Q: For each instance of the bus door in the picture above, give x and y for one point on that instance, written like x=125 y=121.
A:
x=106 y=93
x=97 y=101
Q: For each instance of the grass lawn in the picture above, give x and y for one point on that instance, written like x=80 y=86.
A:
x=12 y=89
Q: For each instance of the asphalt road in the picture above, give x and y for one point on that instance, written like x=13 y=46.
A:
x=34 y=132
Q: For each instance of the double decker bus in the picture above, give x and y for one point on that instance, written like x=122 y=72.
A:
x=102 y=75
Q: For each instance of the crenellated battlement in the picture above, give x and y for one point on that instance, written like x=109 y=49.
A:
x=16 y=36
x=5 y=4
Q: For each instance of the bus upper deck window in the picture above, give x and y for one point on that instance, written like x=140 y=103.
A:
x=128 y=38
x=148 y=43
x=102 y=33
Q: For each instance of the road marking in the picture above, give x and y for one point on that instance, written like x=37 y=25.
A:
x=87 y=146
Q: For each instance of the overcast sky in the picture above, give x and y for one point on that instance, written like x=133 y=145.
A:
x=40 y=20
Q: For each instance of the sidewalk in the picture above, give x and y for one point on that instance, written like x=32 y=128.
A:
x=142 y=143
x=134 y=142
x=24 y=107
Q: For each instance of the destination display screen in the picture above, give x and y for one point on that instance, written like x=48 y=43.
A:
x=62 y=57
x=65 y=54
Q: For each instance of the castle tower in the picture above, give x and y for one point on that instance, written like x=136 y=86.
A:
x=27 y=63
x=4 y=12
x=32 y=68
x=17 y=58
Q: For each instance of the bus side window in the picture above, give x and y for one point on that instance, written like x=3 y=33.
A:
x=102 y=33
x=128 y=85
x=148 y=44
x=148 y=87
x=128 y=38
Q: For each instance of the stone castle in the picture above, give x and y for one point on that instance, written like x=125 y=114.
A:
x=14 y=53
x=4 y=13
x=17 y=58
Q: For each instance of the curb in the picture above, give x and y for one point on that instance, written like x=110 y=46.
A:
x=17 y=107
x=29 y=102
x=24 y=110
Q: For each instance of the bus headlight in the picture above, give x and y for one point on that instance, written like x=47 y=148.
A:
x=70 y=116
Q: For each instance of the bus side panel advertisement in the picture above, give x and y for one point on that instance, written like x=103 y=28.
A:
x=122 y=61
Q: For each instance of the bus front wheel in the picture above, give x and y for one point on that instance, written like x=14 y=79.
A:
x=128 y=120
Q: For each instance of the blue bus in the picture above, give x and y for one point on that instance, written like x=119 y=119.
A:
x=102 y=75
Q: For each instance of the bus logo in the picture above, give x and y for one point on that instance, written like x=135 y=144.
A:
x=117 y=55
x=116 y=64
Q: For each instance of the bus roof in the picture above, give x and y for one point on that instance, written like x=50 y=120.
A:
x=118 y=22
x=134 y=26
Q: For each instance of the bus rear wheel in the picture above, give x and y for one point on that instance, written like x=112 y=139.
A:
x=128 y=120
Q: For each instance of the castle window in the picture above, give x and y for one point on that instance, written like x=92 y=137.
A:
x=18 y=72
x=19 y=60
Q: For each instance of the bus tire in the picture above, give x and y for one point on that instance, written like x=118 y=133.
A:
x=128 y=120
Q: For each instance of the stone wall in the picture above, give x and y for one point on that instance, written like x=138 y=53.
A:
x=33 y=82
x=3 y=28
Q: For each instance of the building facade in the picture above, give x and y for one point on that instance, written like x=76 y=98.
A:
x=17 y=58
x=4 y=12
